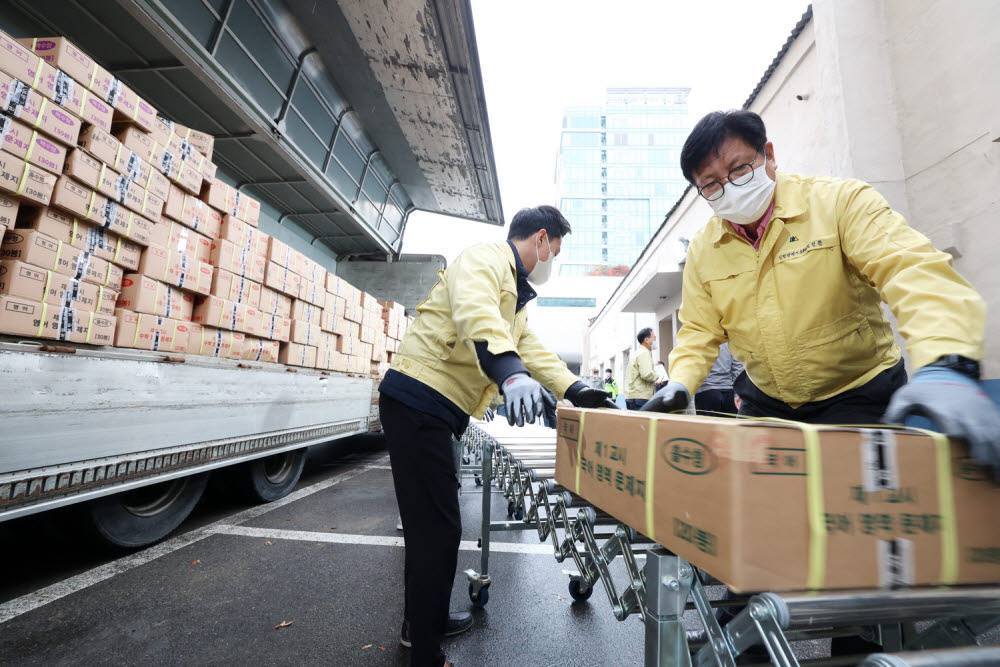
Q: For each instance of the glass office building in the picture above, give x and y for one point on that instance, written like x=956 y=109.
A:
x=618 y=174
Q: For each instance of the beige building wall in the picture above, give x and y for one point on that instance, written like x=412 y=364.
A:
x=897 y=93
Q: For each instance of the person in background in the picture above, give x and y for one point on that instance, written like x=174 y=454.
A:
x=610 y=384
x=470 y=339
x=716 y=392
x=595 y=381
x=640 y=379
x=661 y=374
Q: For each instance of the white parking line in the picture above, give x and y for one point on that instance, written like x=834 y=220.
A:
x=43 y=596
x=370 y=540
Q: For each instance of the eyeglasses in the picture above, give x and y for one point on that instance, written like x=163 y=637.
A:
x=740 y=175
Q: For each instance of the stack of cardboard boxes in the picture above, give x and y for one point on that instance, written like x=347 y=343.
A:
x=116 y=231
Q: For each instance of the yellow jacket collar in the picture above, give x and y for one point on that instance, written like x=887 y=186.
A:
x=788 y=203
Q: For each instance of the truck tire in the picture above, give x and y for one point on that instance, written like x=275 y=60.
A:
x=148 y=514
x=266 y=479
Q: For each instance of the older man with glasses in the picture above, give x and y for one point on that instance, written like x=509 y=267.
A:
x=792 y=272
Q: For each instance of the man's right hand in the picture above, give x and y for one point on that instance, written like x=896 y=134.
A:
x=524 y=399
x=672 y=398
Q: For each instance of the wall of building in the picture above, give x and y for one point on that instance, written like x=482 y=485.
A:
x=891 y=92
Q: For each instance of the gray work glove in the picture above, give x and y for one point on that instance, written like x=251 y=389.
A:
x=525 y=399
x=958 y=407
x=672 y=398
x=593 y=398
x=489 y=415
x=551 y=418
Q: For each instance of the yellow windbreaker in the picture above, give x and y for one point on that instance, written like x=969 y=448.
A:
x=640 y=379
x=474 y=300
x=804 y=312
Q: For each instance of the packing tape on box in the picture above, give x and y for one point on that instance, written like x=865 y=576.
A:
x=24 y=180
x=138 y=327
x=31 y=145
x=42 y=320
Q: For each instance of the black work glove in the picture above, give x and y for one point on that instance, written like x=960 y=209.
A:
x=583 y=396
x=672 y=398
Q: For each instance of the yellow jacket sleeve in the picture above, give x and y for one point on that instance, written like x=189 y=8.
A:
x=474 y=282
x=543 y=365
x=938 y=312
x=646 y=371
x=700 y=335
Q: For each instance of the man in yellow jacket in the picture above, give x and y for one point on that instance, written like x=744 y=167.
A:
x=792 y=271
x=469 y=339
x=640 y=378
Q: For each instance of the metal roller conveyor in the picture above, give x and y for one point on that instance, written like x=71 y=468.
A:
x=521 y=463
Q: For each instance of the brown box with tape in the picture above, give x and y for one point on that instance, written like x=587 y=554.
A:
x=275 y=303
x=69 y=94
x=781 y=506
x=176 y=268
x=18 y=279
x=192 y=212
x=25 y=181
x=83 y=236
x=218 y=312
x=277 y=328
x=213 y=342
x=27 y=143
x=294 y=354
x=282 y=279
x=106 y=148
x=258 y=349
x=236 y=288
x=27 y=317
x=41 y=250
x=243 y=235
x=240 y=261
x=174 y=235
x=142 y=331
x=142 y=294
x=29 y=106
x=305 y=333
x=90 y=205
x=224 y=197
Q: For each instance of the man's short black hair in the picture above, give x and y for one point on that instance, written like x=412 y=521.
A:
x=607 y=370
x=644 y=334
x=528 y=221
x=713 y=129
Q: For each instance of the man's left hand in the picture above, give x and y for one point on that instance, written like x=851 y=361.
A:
x=593 y=398
x=958 y=407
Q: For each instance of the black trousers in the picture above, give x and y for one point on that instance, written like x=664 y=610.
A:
x=634 y=403
x=715 y=401
x=864 y=405
x=423 y=472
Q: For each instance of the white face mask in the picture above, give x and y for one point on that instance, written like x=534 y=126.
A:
x=745 y=204
x=543 y=270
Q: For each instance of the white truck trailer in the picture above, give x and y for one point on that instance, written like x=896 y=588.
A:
x=342 y=118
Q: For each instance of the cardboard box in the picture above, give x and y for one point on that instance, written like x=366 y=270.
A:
x=731 y=496
x=232 y=287
x=186 y=173
x=294 y=354
x=281 y=279
x=305 y=333
x=312 y=292
x=24 y=181
x=84 y=168
x=240 y=261
x=83 y=236
x=17 y=59
x=142 y=294
x=244 y=236
x=65 y=91
x=306 y=312
x=176 y=268
x=26 y=317
x=275 y=327
x=106 y=148
x=22 y=280
x=87 y=204
x=151 y=332
x=191 y=211
x=226 y=198
x=258 y=349
x=29 y=106
x=202 y=142
x=25 y=142
x=275 y=303
x=135 y=140
x=218 y=312
x=128 y=106
x=8 y=213
x=63 y=54
x=213 y=342
x=162 y=130
x=41 y=250
x=176 y=236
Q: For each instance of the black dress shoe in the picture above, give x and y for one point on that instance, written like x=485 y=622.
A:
x=458 y=622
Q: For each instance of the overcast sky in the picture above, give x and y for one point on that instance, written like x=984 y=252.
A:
x=540 y=56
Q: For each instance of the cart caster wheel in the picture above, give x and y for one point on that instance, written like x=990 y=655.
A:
x=479 y=599
x=510 y=509
x=479 y=482
x=579 y=593
x=519 y=515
